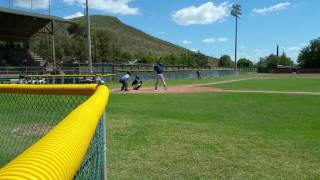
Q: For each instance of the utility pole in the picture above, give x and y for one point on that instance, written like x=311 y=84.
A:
x=53 y=47
x=49 y=7
x=277 y=50
x=236 y=12
x=89 y=38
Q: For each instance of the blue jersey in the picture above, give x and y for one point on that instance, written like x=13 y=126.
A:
x=158 y=68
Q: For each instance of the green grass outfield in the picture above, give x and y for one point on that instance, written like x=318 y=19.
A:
x=214 y=136
x=277 y=84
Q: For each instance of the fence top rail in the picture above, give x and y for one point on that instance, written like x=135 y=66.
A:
x=175 y=70
x=73 y=75
x=77 y=90
x=59 y=154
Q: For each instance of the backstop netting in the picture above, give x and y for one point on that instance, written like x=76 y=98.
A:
x=52 y=131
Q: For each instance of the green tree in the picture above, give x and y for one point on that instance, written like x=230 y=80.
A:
x=225 y=61
x=272 y=61
x=201 y=59
x=261 y=63
x=213 y=61
x=102 y=45
x=145 y=57
x=171 y=59
x=244 y=63
x=309 y=56
x=284 y=60
x=126 y=56
x=189 y=59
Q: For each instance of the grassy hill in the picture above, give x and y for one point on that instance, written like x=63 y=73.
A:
x=131 y=39
x=115 y=42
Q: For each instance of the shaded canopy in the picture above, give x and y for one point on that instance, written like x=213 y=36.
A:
x=20 y=25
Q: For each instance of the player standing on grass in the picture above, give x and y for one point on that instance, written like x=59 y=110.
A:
x=198 y=74
x=158 y=68
x=294 y=72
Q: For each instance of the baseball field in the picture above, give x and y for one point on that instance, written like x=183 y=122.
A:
x=247 y=127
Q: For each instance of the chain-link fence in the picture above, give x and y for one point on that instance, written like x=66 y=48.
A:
x=25 y=118
x=93 y=165
x=184 y=74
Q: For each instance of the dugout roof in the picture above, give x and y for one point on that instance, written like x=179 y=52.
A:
x=18 y=25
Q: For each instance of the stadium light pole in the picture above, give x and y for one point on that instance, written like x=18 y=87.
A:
x=89 y=38
x=49 y=7
x=236 y=12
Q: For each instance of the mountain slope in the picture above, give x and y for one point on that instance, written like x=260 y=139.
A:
x=131 y=39
x=114 y=42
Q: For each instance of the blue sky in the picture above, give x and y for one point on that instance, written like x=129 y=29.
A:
x=206 y=25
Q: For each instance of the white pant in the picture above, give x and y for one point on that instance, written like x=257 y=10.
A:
x=160 y=76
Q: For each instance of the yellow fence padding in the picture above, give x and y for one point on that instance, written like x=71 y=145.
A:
x=59 y=154
x=82 y=90
x=72 y=75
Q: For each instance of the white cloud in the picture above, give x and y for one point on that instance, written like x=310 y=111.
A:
x=108 y=6
x=276 y=7
x=260 y=52
x=293 y=48
x=186 y=42
x=209 y=40
x=75 y=15
x=222 y=40
x=207 y=13
x=162 y=33
x=194 y=50
x=303 y=44
x=215 y=40
x=36 y=4
x=243 y=54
